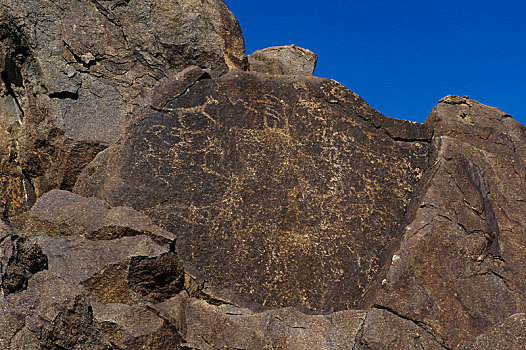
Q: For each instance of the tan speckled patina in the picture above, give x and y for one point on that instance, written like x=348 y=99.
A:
x=284 y=190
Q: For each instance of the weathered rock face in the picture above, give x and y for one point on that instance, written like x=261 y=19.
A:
x=460 y=266
x=73 y=71
x=62 y=213
x=79 y=287
x=130 y=292
x=509 y=335
x=21 y=259
x=211 y=208
x=286 y=191
x=283 y=60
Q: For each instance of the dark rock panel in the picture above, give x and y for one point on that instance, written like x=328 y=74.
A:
x=157 y=278
x=286 y=191
x=72 y=72
x=283 y=60
x=460 y=266
x=19 y=260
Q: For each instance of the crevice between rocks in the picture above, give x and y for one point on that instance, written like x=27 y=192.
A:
x=204 y=76
x=11 y=76
x=412 y=207
x=422 y=325
x=64 y=95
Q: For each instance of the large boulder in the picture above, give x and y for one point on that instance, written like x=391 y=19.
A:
x=283 y=60
x=81 y=273
x=72 y=71
x=282 y=191
x=244 y=181
x=460 y=267
x=219 y=209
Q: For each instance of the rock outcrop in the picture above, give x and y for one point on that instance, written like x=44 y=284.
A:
x=460 y=266
x=155 y=194
x=88 y=292
x=283 y=60
x=72 y=73
x=263 y=178
x=509 y=335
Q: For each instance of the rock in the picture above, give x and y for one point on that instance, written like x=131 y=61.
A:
x=220 y=209
x=62 y=213
x=206 y=326
x=75 y=300
x=28 y=260
x=136 y=327
x=382 y=329
x=447 y=274
x=460 y=265
x=19 y=260
x=230 y=327
x=75 y=328
x=283 y=60
x=156 y=278
x=263 y=170
x=509 y=335
x=69 y=85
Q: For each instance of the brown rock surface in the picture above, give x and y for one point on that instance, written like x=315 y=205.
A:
x=460 y=265
x=384 y=330
x=283 y=60
x=73 y=71
x=21 y=259
x=282 y=191
x=304 y=219
x=65 y=304
x=509 y=335
x=230 y=327
x=62 y=213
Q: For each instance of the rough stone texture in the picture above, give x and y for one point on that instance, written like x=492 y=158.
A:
x=283 y=60
x=66 y=305
x=384 y=330
x=206 y=326
x=72 y=71
x=281 y=191
x=304 y=219
x=20 y=259
x=509 y=335
x=156 y=278
x=460 y=266
x=61 y=213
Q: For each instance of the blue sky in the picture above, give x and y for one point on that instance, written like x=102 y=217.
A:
x=403 y=56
